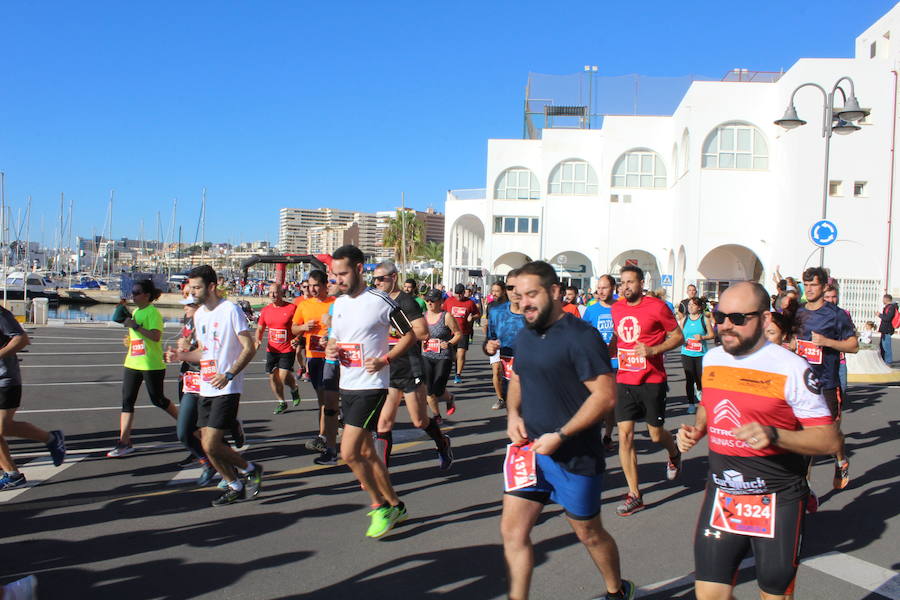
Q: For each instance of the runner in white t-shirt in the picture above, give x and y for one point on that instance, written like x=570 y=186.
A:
x=360 y=322
x=226 y=346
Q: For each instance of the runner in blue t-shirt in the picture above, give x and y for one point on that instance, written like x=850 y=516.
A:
x=504 y=323
x=599 y=314
x=825 y=332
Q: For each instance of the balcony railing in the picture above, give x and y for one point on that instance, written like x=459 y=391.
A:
x=471 y=194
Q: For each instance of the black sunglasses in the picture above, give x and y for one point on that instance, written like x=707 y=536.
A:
x=137 y=292
x=736 y=318
x=381 y=278
x=510 y=287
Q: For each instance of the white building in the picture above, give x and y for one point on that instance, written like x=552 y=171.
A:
x=712 y=194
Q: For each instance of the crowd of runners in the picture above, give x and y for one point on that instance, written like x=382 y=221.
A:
x=763 y=383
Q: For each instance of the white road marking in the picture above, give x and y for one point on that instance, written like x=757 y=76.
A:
x=845 y=567
x=122 y=351
x=309 y=404
x=117 y=382
x=36 y=472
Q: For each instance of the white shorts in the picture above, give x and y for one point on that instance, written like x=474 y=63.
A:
x=495 y=358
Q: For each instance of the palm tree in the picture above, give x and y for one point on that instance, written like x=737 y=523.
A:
x=432 y=251
x=415 y=235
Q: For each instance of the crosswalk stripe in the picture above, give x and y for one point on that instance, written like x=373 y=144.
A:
x=37 y=471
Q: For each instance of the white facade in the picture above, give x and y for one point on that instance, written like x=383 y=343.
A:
x=736 y=200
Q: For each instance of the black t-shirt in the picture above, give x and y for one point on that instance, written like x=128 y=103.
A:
x=411 y=310
x=552 y=366
x=833 y=323
x=9 y=364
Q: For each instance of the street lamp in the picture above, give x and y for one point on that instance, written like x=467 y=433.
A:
x=834 y=120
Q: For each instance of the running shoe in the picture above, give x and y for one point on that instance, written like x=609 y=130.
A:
x=222 y=485
x=231 y=496
x=295 y=396
x=438 y=420
x=445 y=455
x=328 y=457
x=280 y=408
x=316 y=444
x=253 y=480
x=626 y=592
x=812 y=503
x=692 y=409
x=207 y=475
x=187 y=461
x=11 y=481
x=383 y=520
x=57 y=447
x=673 y=467
x=841 y=474
x=500 y=404
x=457 y=379
x=608 y=444
x=120 y=450
x=451 y=405
x=237 y=434
x=22 y=589
x=631 y=505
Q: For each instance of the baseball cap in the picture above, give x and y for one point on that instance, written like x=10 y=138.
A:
x=434 y=296
x=188 y=301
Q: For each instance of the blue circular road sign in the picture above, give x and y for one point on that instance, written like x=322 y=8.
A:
x=823 y=233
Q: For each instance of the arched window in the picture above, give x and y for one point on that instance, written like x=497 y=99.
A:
x=639 y=169
x=685 y=151
x=573 y=177
x=735 y=146
x=517 y=183
x=674 y=162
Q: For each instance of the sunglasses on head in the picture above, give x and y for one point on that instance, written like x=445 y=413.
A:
x=736 y=318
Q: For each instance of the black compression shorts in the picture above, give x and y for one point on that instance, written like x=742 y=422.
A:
x=645 y=401
x=361 y=408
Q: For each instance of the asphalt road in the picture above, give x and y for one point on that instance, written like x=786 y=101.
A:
x=137 y=527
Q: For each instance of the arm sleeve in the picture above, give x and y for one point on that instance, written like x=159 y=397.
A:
x=589 y=354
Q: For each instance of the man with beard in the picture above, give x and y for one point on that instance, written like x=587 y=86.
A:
x=561 y=386
x=361 y=318
x=504 y=323
x=645 y=330
x=226 y=346
x=464 y=311
x=599 y=315
x=410 y=287
x=764 y=412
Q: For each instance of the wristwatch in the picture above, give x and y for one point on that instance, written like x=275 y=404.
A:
x=229 y=375
x=562 y=436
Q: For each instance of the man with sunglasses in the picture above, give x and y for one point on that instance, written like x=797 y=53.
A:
x=309 y=324
x=764 y=413
x=276 y=318
x=825 y=332
x=504 y=323
x=407 y=376
x=464 y=310
x=645 y=330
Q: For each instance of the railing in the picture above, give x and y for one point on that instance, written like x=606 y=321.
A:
x=862 y=297
x=743 y=75
x=470 y=194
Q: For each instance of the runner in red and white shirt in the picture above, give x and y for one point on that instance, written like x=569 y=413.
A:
x=764 y=412
x=280 y=353
x=465 y=311
x=645 y=330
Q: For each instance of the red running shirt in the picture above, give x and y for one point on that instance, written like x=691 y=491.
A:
x=277 y=319
x=460 y=310
x=647 y=323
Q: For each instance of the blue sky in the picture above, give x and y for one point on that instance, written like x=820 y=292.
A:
x=343 y=104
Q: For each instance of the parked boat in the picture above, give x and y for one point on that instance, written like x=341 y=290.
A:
x=36 y=285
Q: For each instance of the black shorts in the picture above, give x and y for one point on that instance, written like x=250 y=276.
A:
x=361 y=408
x=834 y=400
x=645 y=401
x=463 y=343
x=718 y=554
x=402 y=376
x=315 y=367
x=10 y=397
x=279 y=360
x=218 y=412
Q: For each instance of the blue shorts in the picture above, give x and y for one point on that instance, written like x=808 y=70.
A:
x=579 y=495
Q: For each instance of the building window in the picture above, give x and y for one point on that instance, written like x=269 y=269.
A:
x=873 y=50
x=685 y=151
x=517 y=184
x=735 y=146
x=834 y=188
x=639 y=169
x=516 y=225
x=573 y=177
x=859 y=189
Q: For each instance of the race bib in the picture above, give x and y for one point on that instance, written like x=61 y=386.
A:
x=752 y=514
x=693 y=345
x=458 y=311
x=507 y=363
x=350 y=354
x=630 y=361
x=190 y=383
x=432 y=345
x=207 y=370
x=811 y=352
x=316 y=344
x=278 y=336
x=519 y=470
x=137 y=348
